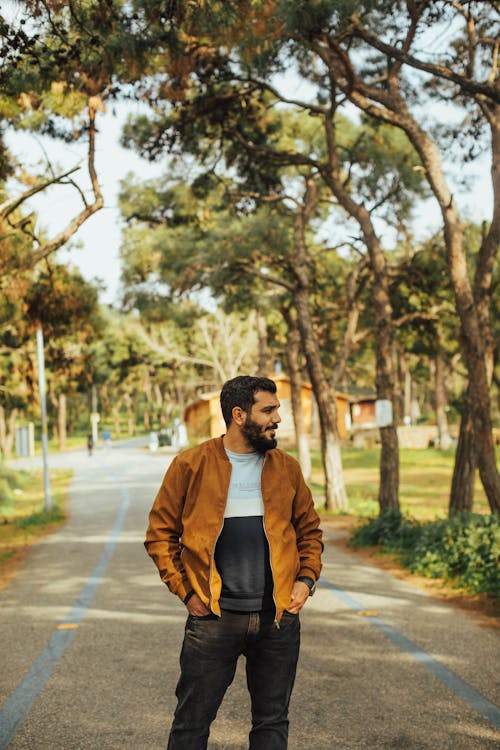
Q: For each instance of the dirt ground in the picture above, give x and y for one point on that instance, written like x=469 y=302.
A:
x=485 y=608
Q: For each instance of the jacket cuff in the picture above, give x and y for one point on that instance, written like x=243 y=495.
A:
x=307 y=573
x=179 y=585
x=184 y=589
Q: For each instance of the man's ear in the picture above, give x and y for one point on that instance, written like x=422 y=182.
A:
x=239 y=415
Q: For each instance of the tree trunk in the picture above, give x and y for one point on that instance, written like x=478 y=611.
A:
x=129 y=406
x=472 y=337
x=116 y=420
x=382 y=309
x=147 y=390
x=61 y=420
x=397 y=400
x=407 y=397
x=473 y=330
x=264 y=366
x=441 y=402
x=7 y=432
x=181 y=399
x=483 y=278
x=335 y=494
x=3 y=432
x=464 y=470
x=388 y=496
x=384 y=380
x=104 y=399
x=391 y=108
x=54 y=415
x=158 y=403
x=293 y=355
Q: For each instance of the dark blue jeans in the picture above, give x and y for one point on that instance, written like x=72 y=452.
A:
x=208 y=662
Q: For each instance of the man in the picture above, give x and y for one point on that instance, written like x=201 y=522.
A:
x=234 y=534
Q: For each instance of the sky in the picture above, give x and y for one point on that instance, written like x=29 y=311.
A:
x=100 y=236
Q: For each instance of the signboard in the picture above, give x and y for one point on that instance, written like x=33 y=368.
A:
x=383 y=412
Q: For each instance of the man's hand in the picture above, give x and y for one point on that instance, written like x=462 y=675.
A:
x=300 y=594
x=196 y=607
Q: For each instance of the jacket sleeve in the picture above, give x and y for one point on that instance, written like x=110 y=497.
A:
x=306 y=522
x=163 y=535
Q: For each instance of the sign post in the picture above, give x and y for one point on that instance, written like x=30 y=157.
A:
x=43 y=406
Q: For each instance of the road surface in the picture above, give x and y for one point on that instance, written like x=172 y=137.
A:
x=90 y=642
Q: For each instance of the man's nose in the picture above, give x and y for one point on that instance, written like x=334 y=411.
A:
x=277 y=417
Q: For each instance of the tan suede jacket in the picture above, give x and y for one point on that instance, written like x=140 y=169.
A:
x=188 y=515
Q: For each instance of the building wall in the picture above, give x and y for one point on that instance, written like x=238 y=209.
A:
x=204 y=417
x=363 y=413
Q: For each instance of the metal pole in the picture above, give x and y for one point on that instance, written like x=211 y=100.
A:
x=43 y=405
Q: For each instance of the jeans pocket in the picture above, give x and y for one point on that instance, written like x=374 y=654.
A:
x=202 y=618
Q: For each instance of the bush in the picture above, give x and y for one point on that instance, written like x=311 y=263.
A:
x=10 y=480
x=40 y=518
x=464 y=549
x=6 y=496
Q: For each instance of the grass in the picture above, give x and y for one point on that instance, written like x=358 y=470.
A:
x=425 y=480
x=23 y=519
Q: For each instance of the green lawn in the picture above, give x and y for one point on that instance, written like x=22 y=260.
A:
x=425 y=479
x=23 y=518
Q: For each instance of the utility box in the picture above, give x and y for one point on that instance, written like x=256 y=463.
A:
x=25 y=440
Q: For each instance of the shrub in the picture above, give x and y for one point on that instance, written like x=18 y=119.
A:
x=6 y=496
x=40 y=518
x=464 y=549
x=10 y=480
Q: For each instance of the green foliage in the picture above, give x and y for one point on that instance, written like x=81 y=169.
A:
x=464 y=549
x=40 y=518
x=66 y=305
x=6 y=496
x=10 y=481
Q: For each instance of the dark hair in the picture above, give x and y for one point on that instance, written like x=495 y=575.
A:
x=240 y=392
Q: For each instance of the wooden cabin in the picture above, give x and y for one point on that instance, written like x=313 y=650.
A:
x=363 y=412
x=204 y=419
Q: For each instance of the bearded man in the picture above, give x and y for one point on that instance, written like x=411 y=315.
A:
x=234 y=534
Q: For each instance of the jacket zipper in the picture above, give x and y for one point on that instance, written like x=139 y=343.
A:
x=276 y=623
x=212 y=564
x=212 y=558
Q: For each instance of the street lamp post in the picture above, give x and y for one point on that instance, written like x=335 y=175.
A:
x=43 y=406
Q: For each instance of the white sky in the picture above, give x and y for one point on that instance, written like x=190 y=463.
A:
x=100 y=235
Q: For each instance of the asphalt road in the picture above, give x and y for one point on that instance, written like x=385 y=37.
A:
x=90 y=642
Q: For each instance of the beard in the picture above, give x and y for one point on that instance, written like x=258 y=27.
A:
x=256 y=437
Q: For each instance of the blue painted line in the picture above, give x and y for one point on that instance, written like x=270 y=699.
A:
x=477 y=701
x=16 y=708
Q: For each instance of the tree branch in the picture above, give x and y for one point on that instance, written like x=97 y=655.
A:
x=466 y=84
x=249 y=268
x=49 y=247
x=11 y=205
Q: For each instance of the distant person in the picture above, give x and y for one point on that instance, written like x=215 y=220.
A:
x=90 y=443
x=234 y=534
x=106 y=437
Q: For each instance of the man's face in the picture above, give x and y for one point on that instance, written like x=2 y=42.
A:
x=262 y=422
